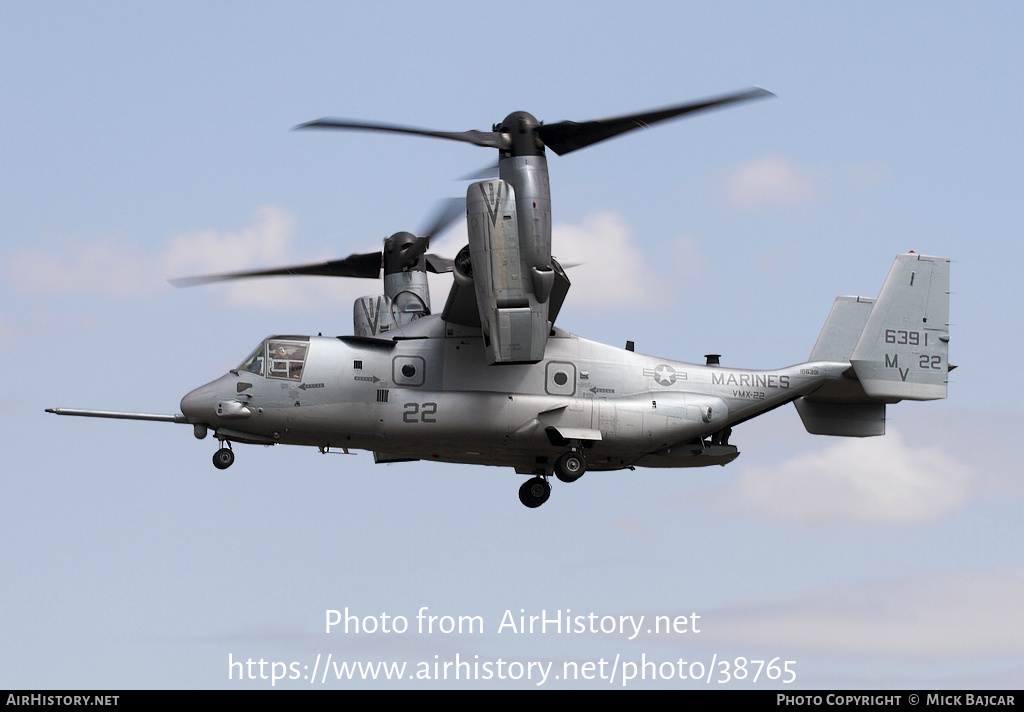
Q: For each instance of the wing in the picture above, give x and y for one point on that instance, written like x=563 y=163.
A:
x=462 y=307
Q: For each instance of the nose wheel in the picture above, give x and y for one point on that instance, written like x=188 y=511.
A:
x=534 y=492
x=223 y=458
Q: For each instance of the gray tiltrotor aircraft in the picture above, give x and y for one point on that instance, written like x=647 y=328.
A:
x=492 y=381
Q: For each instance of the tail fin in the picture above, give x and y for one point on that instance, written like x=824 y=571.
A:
x=902 y=351
x=844 y=410
x=842 y=329
x=897 y=345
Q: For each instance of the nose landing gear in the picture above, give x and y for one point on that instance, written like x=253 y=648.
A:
x=535 y=492
x=223 y=458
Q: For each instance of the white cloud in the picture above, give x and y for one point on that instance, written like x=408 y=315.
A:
x=266 y=242
x=605 y=266
x=109 y=265
x=869 y=480
x=608 y=268
x=120 y=267
x=773 y=182
x=611 y=269
x=949 y=615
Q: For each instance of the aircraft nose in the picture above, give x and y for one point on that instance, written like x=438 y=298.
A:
x=199 y=405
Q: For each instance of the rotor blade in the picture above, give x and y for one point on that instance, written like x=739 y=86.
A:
x=365 y=266
x=566 y=136
x=487 y=172
x=445 y=213
x=487 y=139
x=437 y=264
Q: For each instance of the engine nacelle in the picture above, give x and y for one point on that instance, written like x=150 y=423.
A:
x=372 y=316
x=512 y=294
x=406 y=298
x=528 y=177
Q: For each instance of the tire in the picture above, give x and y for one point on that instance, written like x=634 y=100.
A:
x=223 y=458
x=570 y=467
x=534 y=492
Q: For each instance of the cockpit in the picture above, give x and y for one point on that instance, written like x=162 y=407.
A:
x=278 y=357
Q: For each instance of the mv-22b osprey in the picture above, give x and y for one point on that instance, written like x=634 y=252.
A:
x=492 y=381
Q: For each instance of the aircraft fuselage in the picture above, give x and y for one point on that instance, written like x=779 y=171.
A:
x=429 y=394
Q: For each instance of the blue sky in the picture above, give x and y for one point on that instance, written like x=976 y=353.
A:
x=145 y=141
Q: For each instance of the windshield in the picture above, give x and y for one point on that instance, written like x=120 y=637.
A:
x=254 y=364
x=277 y=358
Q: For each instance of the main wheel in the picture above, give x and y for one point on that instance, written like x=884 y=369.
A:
x=570 y=467
x=223 y=458
x=534 y=492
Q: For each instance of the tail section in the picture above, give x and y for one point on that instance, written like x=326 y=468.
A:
x=902 y=352
x=842 y=329
x=897 y=346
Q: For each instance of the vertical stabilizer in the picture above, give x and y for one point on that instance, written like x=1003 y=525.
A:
x=902 y=352
x=842 y=329
x=844 y=410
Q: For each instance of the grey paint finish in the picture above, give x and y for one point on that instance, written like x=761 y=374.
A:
x=491 y=381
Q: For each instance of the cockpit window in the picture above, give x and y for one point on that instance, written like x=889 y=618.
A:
x=277 y=358
x=285 y=359
x=254 y=364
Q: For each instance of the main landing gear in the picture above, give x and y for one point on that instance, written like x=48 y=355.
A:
x=568 y=468
x=223 y=458
x=571 y=466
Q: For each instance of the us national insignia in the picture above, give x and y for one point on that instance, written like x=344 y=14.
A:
x=663 y=375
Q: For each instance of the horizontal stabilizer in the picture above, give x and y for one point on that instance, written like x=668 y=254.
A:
x=852 y=420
